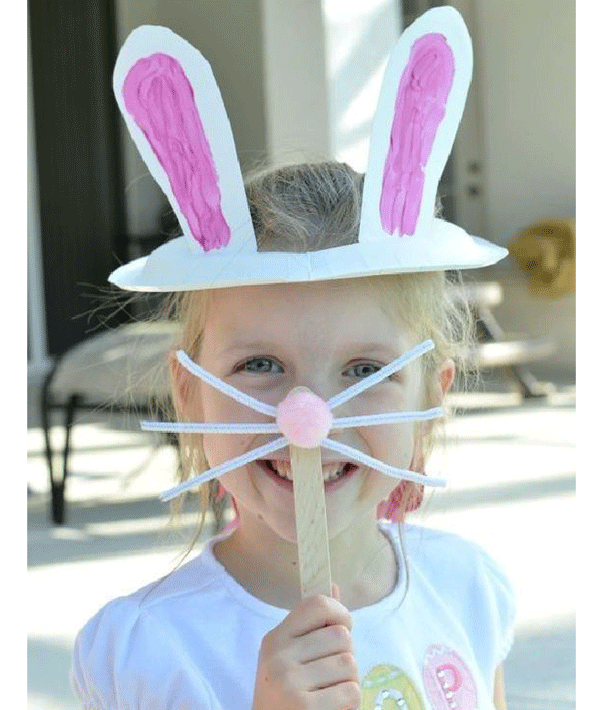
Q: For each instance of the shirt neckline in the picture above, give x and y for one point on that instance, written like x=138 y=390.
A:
x=262 y=608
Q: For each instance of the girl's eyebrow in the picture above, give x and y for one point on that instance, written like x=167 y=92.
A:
x=245 y=345
x=358 y=348
x=375 y=348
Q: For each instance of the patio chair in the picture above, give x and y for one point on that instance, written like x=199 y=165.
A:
x=114 y=370
x=497 y=350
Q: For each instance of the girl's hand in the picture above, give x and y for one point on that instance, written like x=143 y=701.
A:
x=306 y=663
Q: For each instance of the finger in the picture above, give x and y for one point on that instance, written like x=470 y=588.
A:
x=343 y=696
x=329 y=671
x=328 y=641
x=314 y=613
x=335 y=591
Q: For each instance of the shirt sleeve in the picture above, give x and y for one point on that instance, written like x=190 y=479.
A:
x=124 y=660
x=495 y=595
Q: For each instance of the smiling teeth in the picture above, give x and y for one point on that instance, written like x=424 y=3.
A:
x=283 y=469
x=330 y=471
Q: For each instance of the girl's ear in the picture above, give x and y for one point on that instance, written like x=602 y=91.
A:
x=185 y=390
x=439 y=387
x=445 y=378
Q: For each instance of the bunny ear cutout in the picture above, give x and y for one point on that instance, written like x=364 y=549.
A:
x=419 y=112
x=420 y=106
x=172 y=106
x=422 y=99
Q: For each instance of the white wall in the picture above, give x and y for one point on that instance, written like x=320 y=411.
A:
x=359 y=36
x=324 y=62
x=295 y=81
x=525 y=56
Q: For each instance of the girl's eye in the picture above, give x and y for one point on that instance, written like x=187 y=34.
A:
x=363 y=369
x=260 y=366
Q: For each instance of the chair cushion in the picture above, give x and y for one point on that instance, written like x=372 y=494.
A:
x=126 y=366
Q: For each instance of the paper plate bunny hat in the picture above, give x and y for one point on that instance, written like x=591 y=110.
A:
x=173 y=109
x=175 y=114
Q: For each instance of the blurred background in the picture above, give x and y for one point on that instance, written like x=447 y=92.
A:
x=300 y=79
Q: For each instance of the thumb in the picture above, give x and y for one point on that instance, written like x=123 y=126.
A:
x=335 y=591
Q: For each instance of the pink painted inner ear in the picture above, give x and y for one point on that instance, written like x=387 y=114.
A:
x=160 y=98
x=420 y=107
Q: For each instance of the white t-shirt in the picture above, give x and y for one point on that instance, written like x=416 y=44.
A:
x=191 y=640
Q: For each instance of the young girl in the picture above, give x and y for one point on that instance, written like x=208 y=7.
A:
x=417 y=618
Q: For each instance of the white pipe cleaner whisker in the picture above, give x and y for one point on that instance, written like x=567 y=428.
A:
x=399 y=473
x=387 y=418
x=381 y=374
x=258 y=428
x=210 y=428
x=225 y=467
x=229 y=390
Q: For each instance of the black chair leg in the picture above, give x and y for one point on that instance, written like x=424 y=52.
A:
x=56 y=489
x=58 y=486
x=530 y=387
x=58 y=502
x=45 y=416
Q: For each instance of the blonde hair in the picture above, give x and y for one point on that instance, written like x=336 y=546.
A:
x=313 y=206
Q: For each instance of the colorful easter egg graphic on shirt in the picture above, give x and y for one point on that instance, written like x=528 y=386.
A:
x=388 y=688
x=447 y=680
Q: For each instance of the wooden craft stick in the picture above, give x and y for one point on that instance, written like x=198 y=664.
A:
x=311 y=521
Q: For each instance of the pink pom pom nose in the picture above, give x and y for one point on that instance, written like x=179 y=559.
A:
x=304 y=418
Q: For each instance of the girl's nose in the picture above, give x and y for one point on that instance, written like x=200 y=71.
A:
x=304 y=418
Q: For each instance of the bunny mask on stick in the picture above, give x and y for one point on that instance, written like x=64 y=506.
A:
x=174 y=112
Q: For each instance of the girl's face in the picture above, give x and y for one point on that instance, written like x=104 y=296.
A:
x=265 y=340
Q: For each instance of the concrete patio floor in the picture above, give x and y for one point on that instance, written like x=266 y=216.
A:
x=511 y=471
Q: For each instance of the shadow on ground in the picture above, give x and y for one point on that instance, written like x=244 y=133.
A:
x=540 y=669
x=51 y=685
x=49 y=544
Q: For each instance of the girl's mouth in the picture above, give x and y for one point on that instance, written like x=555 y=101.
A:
x=333 y=473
